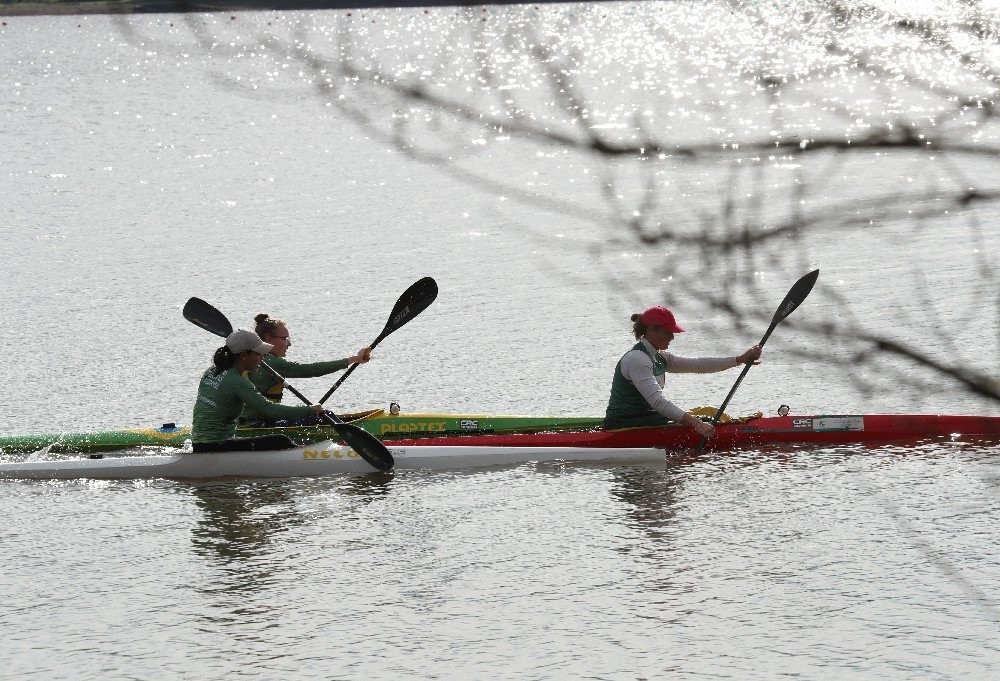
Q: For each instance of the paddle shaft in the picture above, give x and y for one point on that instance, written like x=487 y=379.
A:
x=792 y=300
x=349 y=371
x=746 y=369
x=332 y=419
x=367 y=446
x=414 y=300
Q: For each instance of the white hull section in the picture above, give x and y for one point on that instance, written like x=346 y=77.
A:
x=318 y=459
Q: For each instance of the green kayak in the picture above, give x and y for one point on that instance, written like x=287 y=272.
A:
x=378 y=422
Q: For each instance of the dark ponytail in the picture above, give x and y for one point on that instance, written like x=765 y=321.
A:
x=223 y=359
x=638 y=328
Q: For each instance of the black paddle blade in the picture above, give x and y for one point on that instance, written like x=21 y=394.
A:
x=414 y=300
x=200 y=313
x=796 y=295
x=365 y=444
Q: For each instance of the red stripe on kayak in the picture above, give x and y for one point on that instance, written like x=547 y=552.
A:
x=819 y=429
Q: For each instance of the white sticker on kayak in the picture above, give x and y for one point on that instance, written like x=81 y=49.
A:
x=831 y=423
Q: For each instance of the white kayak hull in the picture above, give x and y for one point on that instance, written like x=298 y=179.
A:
x=315 y=460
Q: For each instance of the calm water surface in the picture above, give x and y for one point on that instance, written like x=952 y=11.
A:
x=143 y=167
x=819 y=563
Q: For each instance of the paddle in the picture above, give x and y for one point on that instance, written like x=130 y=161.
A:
x=368 y=447
x=795 y=296
x=414 y=300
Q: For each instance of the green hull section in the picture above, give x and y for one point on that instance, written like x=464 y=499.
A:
x=376 y=421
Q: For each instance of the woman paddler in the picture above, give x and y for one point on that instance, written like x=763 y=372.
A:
x=224 y=392
x=274 y=332
x=637 y=397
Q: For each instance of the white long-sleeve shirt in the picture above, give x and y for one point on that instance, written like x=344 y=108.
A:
x=637 y=367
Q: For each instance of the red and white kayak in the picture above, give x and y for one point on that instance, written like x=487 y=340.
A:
x=633 y=445
x=749 y=432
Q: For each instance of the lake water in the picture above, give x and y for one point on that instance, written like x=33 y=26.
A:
x=149 y=159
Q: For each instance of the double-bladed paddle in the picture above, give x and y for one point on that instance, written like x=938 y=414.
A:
x=795 y=296
x=368 y=447
x=414 y=300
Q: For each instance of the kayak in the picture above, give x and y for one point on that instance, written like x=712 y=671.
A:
x=378 y=422
x=753 y=431
x=629 y=445
x=314 y=460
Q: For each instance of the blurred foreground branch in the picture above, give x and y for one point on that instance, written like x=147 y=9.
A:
x=728 y=142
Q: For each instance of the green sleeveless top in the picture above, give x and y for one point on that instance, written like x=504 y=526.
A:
x=626 y=401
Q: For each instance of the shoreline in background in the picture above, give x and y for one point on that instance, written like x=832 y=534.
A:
x=42 y=7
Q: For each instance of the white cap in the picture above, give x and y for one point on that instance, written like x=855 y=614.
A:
x=242 y=340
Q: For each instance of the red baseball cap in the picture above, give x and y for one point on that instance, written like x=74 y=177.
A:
x=660 y=316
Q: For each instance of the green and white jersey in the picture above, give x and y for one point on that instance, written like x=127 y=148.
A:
x=221 y=400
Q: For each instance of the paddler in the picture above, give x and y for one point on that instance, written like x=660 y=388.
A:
x=275 y=333
x=224 y=392
x=637 y=397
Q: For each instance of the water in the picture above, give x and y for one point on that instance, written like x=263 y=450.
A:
x=825 y=563
x=143 y=167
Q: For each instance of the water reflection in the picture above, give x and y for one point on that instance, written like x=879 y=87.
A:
x=649 y=498
x=653 y=499
x=370 y=486
x=243 y=529
x=241 y=519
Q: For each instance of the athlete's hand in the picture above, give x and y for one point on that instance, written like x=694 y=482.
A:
x=753 y=354
x=706 y=430
x=703 y=428
x=364 y=354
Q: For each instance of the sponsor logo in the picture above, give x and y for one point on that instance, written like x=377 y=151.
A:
x=469 y=424
x=402 y=313
x=212 y=380
x=413 y=427
x=830 y=423
x=329 y=454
